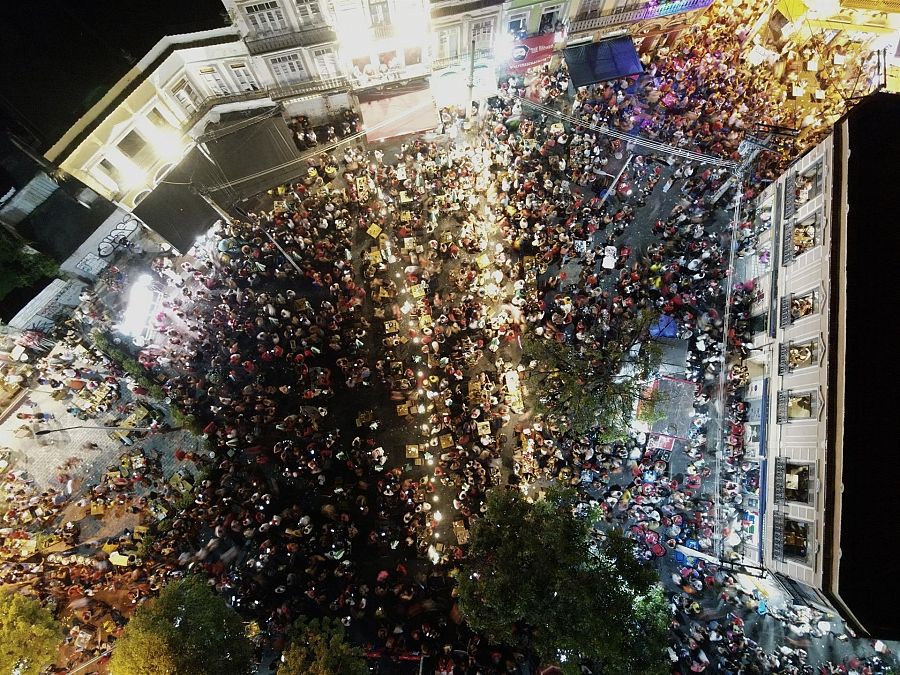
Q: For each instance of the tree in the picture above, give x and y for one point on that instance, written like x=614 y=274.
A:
x=318 y=647
x=29 y=635
x=537 y=576
x=187 y=630
x=593 y=384
x=21 y=265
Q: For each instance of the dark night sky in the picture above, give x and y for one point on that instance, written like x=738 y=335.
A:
x=61 y=56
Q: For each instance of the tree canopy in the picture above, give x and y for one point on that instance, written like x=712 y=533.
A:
x=318 y=647
x=21 y=265
x=593 y=383
x=29 y=635
x=537 y=576
x=187 y=630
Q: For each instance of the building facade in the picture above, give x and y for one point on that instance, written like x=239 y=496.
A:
x=789 y=270
x=651 y=24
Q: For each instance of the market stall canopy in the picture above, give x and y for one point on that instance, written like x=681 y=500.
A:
x=398 y=113
x=666 y=326
x=602 y=61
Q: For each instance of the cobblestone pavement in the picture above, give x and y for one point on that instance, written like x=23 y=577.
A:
x=42 y=456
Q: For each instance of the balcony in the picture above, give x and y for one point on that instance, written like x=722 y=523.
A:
x=886 y=6
x=594 y=21
x=307 y=87
x=383 y=31
x=208 y=104
x=289 y=39
x=461 y=59
x=442 y=8
x=304 y=88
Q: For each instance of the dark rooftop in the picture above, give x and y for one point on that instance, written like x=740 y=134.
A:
x=870 y=563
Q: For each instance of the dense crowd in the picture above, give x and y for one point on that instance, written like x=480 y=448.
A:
x=412 y=279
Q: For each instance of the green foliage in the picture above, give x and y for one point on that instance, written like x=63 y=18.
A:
x=318 y=647
x=593 y=384
x=186 y=421
x=535 y=577
x=133 y=367
x=187 y=630
x=29 y=635
x=649 y=410
x=21 y=266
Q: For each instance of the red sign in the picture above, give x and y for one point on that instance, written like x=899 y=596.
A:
x=530 y=52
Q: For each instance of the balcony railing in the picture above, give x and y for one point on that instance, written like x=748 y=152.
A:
x=442 y=8
x=460 y=59
x=287 y=39
x=590 y=22
x=307 y=87
x=304 y=88
x=208 y=104
x=383 y=31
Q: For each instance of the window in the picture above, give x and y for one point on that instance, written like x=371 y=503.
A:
x=185 y=94
x=797 y=405
x=288 y=69
x=155 y=117
x=797 y=541
x=798 y=482
x=589 y=7
x=804 y=236
x=448 y=42
x=380 y=12
x=517 y=25
x=309 y=12
x=796 y=307
x=802 y=355
x=412 y=56
x=326 y=62
x=549 y=18
x=808 y=185
x=132 y=144
x=214 y=82
x=483 y=33
x=265 y=17
x=243 y=77
x=109 y=169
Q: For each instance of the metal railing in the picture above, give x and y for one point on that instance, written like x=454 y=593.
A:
x=207 y=104
x=460 y=59
x=647 y=10
x=383 y=31
x=304 y=88
x=286 y=39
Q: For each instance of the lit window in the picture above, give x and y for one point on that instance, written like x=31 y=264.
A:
x=798 y=543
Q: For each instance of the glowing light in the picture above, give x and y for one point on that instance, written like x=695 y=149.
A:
x=503 y=47
x=140 y=300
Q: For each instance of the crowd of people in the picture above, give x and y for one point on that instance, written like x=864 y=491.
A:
x=355 y=360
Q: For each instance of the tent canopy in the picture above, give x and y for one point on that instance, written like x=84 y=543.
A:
x=666 y=327
x=601 y=61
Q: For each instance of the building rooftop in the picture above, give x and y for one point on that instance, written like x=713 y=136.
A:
x=869 y=567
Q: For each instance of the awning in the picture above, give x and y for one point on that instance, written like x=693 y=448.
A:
x=398 y=115
x=175 y=209
x=603 y=61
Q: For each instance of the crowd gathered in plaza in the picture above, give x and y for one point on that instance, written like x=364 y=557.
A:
x=354 y=359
